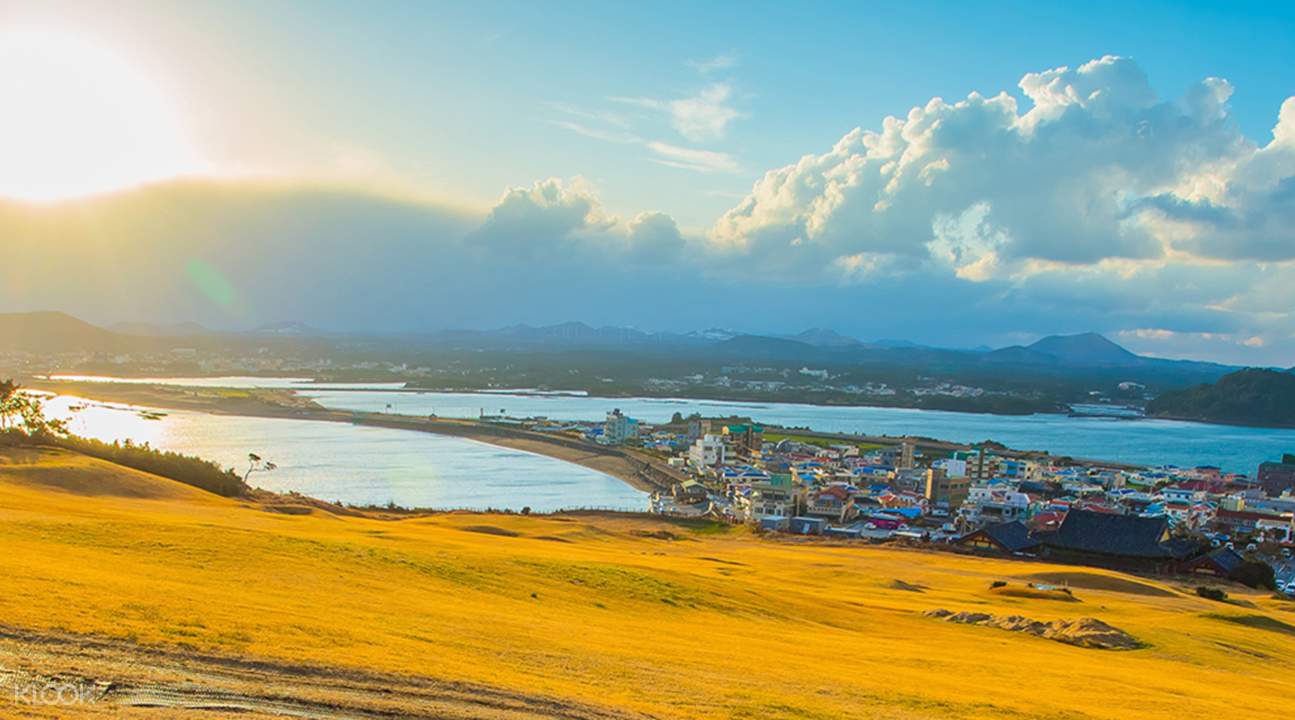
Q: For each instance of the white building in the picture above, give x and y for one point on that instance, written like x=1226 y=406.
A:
x=707 y=451
x=763 y=500
x=619 y=428
x=985 y=505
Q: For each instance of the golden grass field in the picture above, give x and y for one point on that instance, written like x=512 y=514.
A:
x=630 y=615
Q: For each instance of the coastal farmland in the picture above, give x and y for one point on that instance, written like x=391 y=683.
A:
x=172 y=589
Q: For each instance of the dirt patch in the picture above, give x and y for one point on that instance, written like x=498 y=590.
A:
x=1083 y=632
x=898 y=584
x=552 y=538
x=173 y=682
x=490 y=530
x=722 y=562
x=1098 y=581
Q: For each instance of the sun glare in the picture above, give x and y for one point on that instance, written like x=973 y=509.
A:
x=80 y=119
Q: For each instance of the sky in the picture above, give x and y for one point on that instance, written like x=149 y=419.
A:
x=947 y=174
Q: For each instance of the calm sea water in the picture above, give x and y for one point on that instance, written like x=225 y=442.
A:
x=1150 y=442
x=361 y=465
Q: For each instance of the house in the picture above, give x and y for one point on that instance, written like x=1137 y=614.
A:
x=1008 y=538
x=986 y=505
x=1219 y=563
x=762 y=500
x=1112 y=540
x=807 y=526
x=690 y=491
x=832 y=503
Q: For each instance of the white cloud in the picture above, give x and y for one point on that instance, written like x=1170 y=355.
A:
x=654 y=238
x=1096 y=168
x=703 y=116
x=547 y=213
x=612 y=136
x=724 y=61
x=692 y=159
x=706 y=115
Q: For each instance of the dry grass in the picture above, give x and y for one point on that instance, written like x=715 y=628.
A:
x=672 y=620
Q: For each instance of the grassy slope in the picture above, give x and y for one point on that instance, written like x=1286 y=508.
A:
x=705 y=625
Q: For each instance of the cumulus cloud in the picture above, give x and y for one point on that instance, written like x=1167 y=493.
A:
x=1096 y=167
x=1083 y=202
x=544 y=215
x=654 y=237
x=1088 y=197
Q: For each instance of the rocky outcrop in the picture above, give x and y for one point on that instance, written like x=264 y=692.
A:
x=1083 y=632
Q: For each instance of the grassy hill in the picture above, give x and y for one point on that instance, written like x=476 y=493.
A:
x=117 y=575
x=46 y=332
x=1252 y=396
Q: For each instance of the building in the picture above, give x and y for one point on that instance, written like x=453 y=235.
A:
x=906 y=455
x=697 y=428
x=944 y=491
x=747 y=440
x=689 y=491
x=1127 y=542
x=986 y=505
x=1007 y=538
x=707 y=451
x=1219 y=563
x=1277 y=477
x=761 y=501
x=619 y=428
x=834 y=503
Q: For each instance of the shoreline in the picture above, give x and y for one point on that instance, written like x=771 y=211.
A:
x=638 y=470
x=622 y=463
x=309 y=384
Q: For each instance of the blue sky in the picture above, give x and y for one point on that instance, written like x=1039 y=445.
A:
x=673 y=135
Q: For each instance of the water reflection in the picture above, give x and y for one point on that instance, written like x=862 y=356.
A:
x=357 y=464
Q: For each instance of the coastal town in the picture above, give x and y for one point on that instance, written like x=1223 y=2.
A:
x=982 y=499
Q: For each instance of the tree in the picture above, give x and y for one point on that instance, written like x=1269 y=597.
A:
x=256 y=464
x=29 y=412
x=8 y=404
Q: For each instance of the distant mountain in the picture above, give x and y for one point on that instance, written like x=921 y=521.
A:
x=571 y=331
x=893 y=343
x=1019 y=355
x=765 y=348
x=823 y=337
x=1251 y=396
x=46 y=332
x=188 y=329
x=1085 y=349
x=712 y=334
x=290 y=328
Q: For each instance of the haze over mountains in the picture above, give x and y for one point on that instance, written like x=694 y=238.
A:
x=60 y=332
x=1048 y=375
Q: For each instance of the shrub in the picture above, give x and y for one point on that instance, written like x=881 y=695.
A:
x=202 y=474
x=1255 y=574
x=1210 y=593
x=997 y=584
